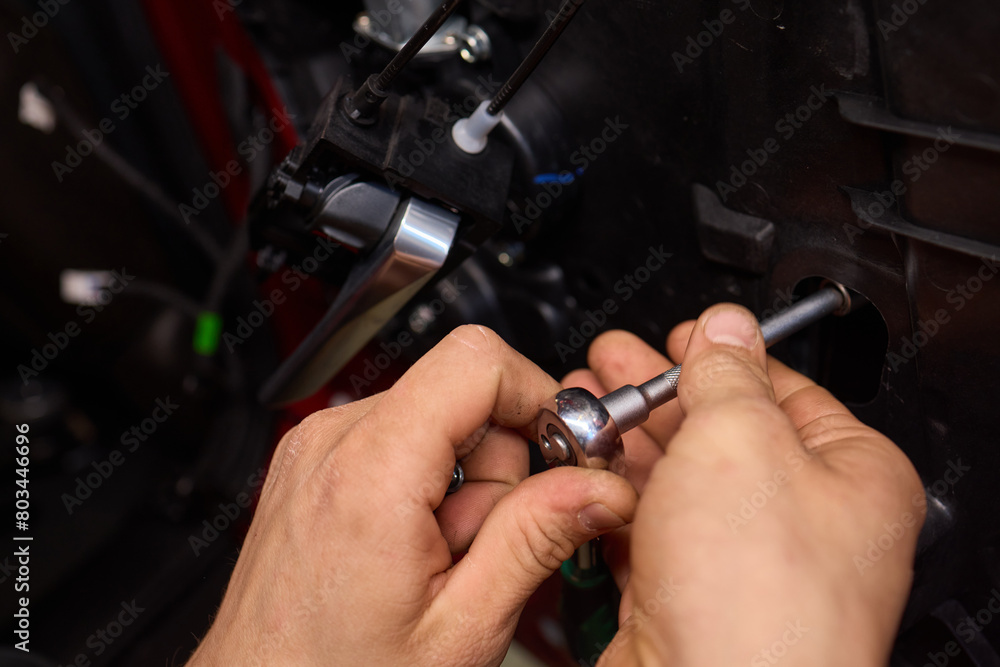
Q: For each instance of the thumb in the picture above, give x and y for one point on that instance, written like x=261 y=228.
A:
x=724 y=389
x=726 y=359
x=526 y=538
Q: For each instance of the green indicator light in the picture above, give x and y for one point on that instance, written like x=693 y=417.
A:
x=207 y=332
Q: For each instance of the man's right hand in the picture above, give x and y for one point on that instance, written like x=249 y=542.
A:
x=752 y=540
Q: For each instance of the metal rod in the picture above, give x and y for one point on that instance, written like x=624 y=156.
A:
x=797 y=317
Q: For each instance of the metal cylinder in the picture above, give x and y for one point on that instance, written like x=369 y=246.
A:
x=809 y=310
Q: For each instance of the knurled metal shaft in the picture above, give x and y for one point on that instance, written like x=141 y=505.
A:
x=629 y=406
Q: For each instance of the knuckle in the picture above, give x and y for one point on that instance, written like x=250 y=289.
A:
x=738 y=432
x=476 y=439
x=324 y=428
x=831 y=428
x=321 y=420
x=757 y=410
x=719 y=367
x=547 y=546
x=289 y=445
x=478 y=338
x=741 y=414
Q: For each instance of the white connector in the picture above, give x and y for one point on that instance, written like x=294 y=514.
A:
x=470 y=133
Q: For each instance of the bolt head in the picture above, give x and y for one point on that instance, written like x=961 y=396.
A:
x=476 y=45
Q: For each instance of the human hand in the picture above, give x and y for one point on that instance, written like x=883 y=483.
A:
x=750 y=538
x=349 y=556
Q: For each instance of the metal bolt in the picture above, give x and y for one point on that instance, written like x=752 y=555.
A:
x=457 y=478
x=564 y=452
x=477 y=45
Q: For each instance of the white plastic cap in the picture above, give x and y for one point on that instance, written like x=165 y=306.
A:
x=470 y=133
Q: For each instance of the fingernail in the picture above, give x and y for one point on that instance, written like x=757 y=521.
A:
x=596 y=517
x=732 y=327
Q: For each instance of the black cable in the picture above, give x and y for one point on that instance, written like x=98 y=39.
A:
x=534 y=57
x=362 y=106
x=227 y=262
x=227 y=269
x=182 y=303
x=164 y=294
x=128 y=173
x=415 y=44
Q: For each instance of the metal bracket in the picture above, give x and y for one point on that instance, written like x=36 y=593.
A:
x=412 y=251
x=455 y=36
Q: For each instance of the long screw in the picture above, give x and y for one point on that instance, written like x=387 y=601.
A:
x=630 y=406
x=534 y=57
